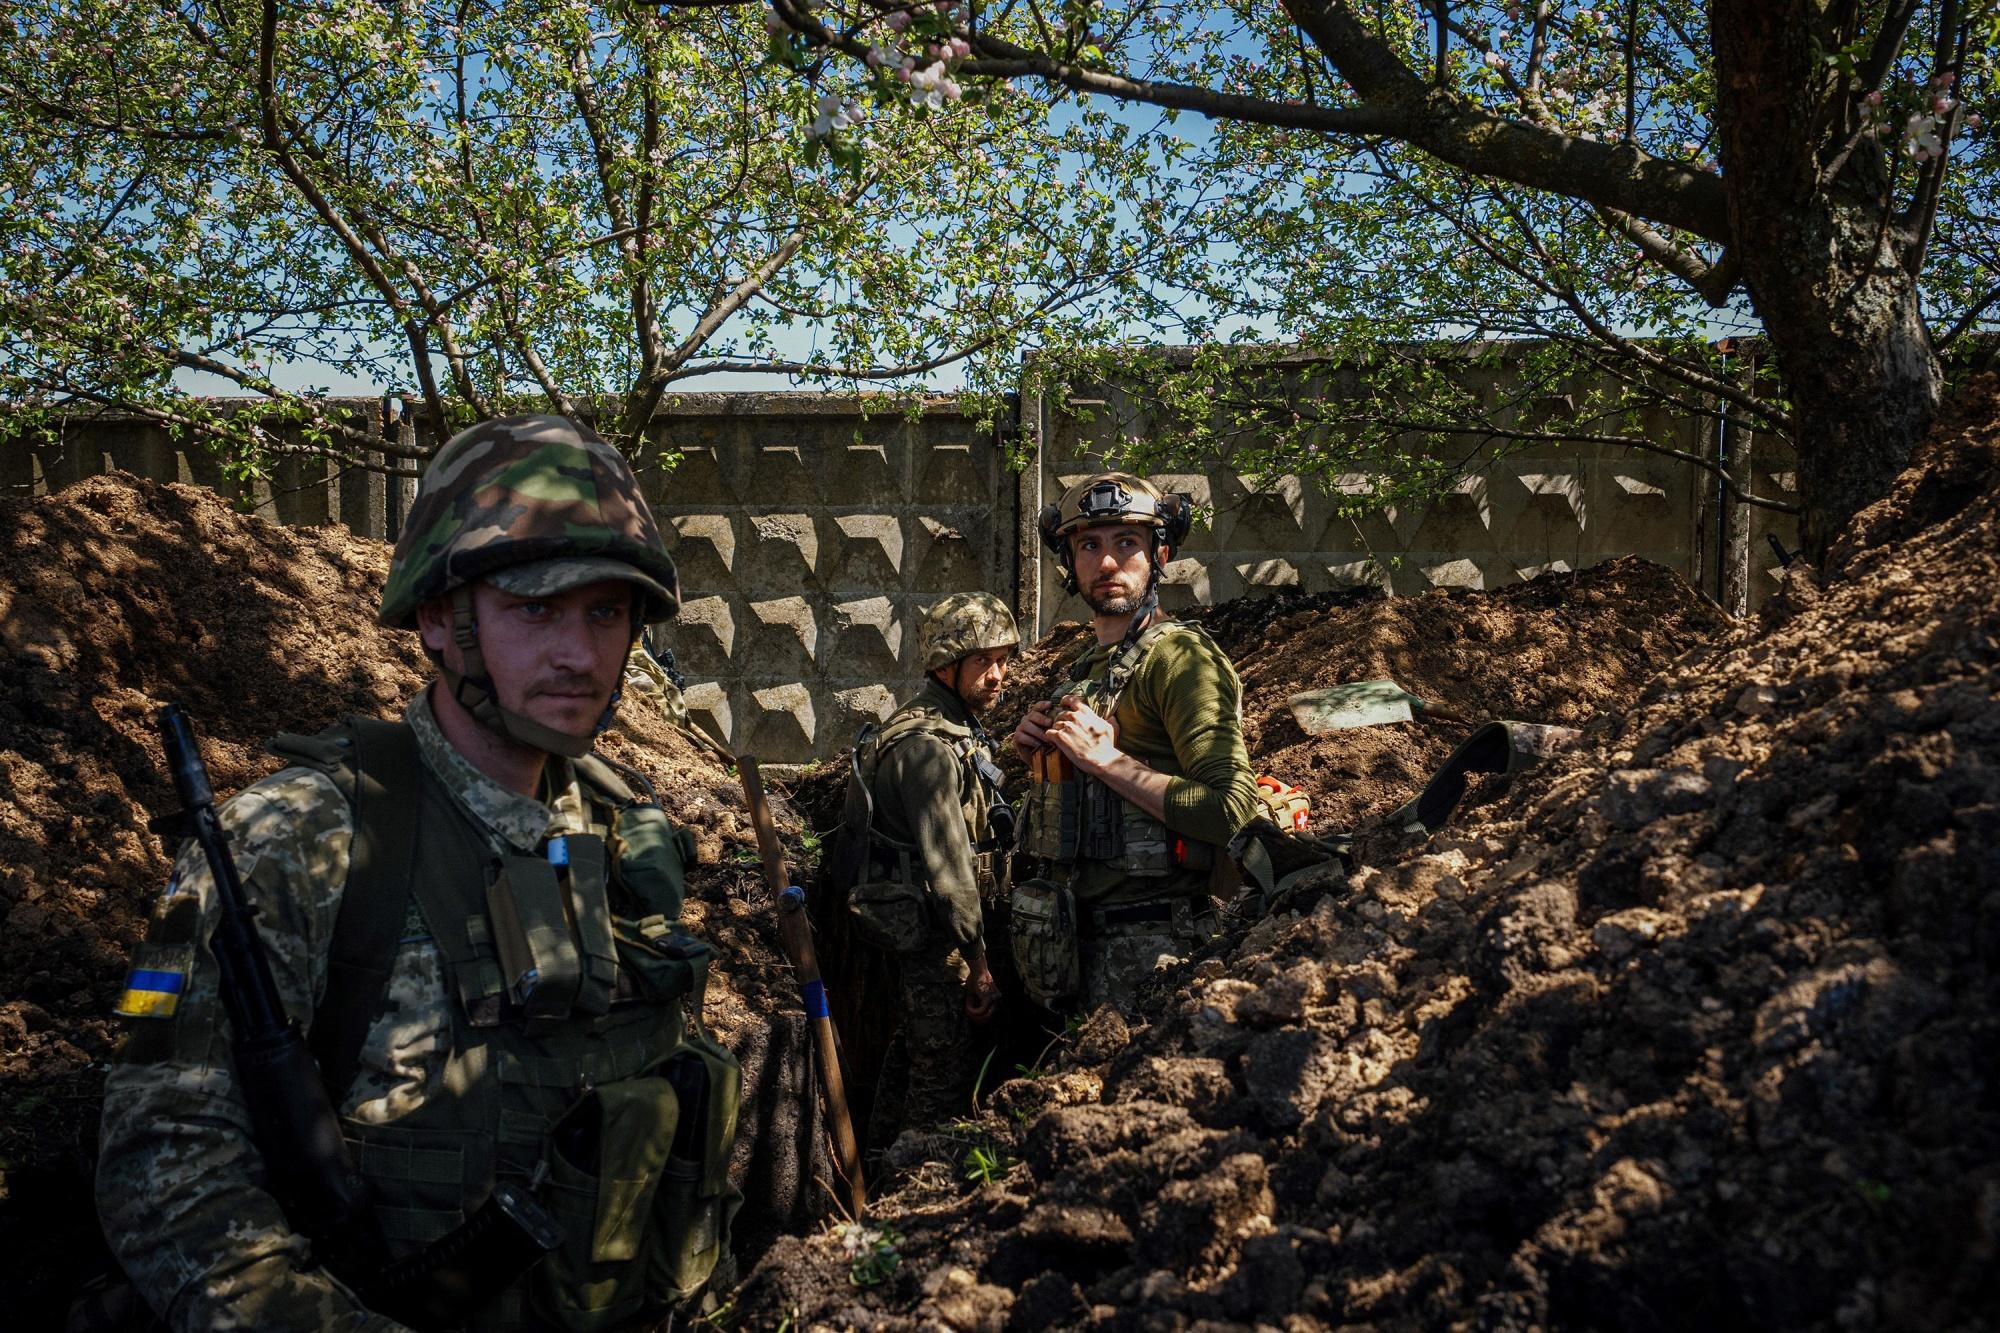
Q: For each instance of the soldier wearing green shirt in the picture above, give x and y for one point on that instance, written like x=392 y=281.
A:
x=1138 y=773
x=924 y=835
x=474 y=918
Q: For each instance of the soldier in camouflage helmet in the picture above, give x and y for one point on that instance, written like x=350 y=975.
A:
x=925 y=831
x=1138 y=773
x=470 y=913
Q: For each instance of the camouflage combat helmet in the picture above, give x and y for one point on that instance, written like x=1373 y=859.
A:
x=963 y=624
x=524 y=491
x=1113 y=498
x=533 y=505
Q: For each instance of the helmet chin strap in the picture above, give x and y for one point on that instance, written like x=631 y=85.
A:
x=474 y=691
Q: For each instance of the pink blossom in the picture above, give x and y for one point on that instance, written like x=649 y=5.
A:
x=898 y=20
x=1942 y=105
x=1974 y=121
x=1874 y=98
x=775 y=24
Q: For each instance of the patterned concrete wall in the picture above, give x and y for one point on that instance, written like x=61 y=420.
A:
x=810 y=534
x=300 y=490
x=1528 y=512
x=809 y=541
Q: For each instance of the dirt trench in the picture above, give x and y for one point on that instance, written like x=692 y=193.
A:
x=118 y=595
x=1693 y=1026
x=1561 y=649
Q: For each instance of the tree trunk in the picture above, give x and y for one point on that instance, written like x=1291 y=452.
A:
x=1823 y=265
x=1734 y=584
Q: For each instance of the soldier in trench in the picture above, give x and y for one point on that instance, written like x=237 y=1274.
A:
x=925 y=833
x=489 y=1005
x=1138 y=772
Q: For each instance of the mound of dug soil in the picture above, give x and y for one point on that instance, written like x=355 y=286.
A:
x=1696 y=1026
x=118 y=595
x=1561 y=648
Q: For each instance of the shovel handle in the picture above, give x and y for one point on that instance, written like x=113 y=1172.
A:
x=795 y=932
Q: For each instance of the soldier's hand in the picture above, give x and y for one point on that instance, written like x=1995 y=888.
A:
x=1078 y=731
x=982 y=992
x=1031 y=735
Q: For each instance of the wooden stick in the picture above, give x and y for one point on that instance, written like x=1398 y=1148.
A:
x=796 y=933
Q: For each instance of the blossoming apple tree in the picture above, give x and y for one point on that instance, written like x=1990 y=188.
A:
x=1616 y=186
x=485 y=207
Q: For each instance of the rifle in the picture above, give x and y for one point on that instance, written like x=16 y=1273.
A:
x=796 y=933
x=296 y=1130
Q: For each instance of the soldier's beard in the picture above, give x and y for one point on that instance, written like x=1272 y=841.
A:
x=969 y=693
x=1113 y=604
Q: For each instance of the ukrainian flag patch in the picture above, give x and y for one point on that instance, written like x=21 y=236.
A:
x=158 y=978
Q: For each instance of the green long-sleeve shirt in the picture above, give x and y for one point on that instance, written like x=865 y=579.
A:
x=1182 y=714
x=922 y=791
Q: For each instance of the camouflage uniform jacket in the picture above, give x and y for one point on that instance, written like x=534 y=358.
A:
x=926 y=793
x=180 y=1187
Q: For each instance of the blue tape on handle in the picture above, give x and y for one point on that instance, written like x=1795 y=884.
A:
x=815 y=998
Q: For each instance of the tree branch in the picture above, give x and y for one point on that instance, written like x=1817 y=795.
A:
x=156 y=133
x=1458 y=131
x=275 y=144
x=1931 y=187
x=1711 y=282
x=1638 y=442
x=646 y=397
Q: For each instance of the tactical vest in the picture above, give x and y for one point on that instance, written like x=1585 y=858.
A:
x=887 y=886
x=576 y=1062
x=1070 y=817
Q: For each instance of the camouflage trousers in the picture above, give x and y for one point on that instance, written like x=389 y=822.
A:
x=1118 y=959
x=927 y=1074
x=646 y=679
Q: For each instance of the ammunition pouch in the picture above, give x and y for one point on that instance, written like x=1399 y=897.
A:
x=1079 y=819
x=638 y=1178
x=658 y=963
x=696 y=1202
x=652 y=856
x=891 y=910
x=1045 y=938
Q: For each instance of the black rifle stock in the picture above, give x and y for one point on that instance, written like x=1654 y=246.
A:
x=297 y=1131
x=291 y=1119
